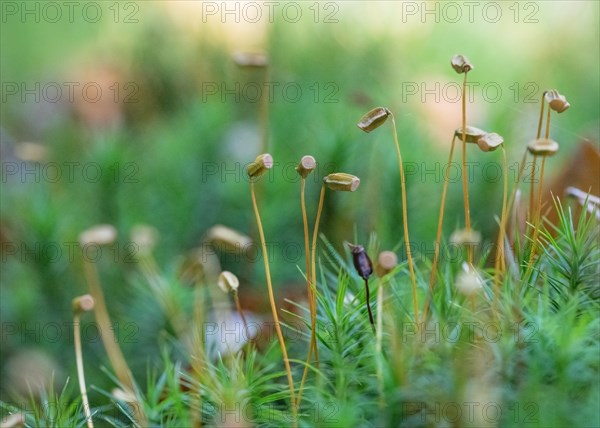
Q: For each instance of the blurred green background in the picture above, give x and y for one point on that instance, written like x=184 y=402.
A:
x=171 y=153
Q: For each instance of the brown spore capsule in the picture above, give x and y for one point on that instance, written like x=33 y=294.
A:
x=373 y=119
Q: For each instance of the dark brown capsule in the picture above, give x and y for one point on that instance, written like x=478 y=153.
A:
x=362 y=262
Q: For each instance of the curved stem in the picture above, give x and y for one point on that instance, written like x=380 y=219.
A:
x=500 y=267
x=308 y=290
x=517 y=182
x=405 y=223
x=304 y=375
x=464 y=168
x=272 y=300
x=539 y=134
x=368 y=300
x=504 y=211
x=313 y=296
x=306 y=242
x=537 y=221
x=532 y=187
x=80 y=374
x=109 y=340
x=548 y=124
x=197 y=354
x=438 y=238
x=539 y=129
x=522 y=166
x=313 y=271
x=538 y=214
x=238 y=306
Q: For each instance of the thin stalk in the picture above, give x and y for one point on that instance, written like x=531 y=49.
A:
x=311 y=308
x=518 y=181
x=111 y=345
x=272 y=301
x=500 y=267
x=313 y=295
x=522 y=165
x=306 y=245
x=536 y=229
x=436 y=253
x=368 y=299
x=304 y=375
x=238 y=306
x=405 y=224
x=108 y=338
x=399 y=369
x=198 y=319
x=538 y=214
x=379 y=342
x=313 y=268
x=198 y=353
x=548 y=124
x=532 y=187
x=539 y=133
x=539 y=129
x=504 y=211
x=464 y=168
x=80 y=373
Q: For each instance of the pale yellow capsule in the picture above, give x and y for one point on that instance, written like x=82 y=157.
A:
x=465 y=237
x=306 y=166
x=16 y=420
x=468 y=281
x=342 y=182
x=102 y=234
x=261 y=164
x=228 y=281
x=251 y=59
x=144 y=237
x=31 y=152
x=386 y=262
x=472 y=134
x=490 y=142
x=224 y=238
x=542 y=147
x=83 y=303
